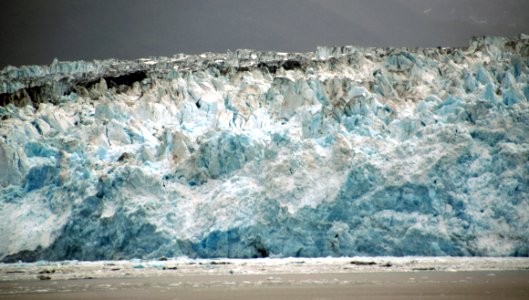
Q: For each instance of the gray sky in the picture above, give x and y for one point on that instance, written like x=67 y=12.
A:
x=36 y=31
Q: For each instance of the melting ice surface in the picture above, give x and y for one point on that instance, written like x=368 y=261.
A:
x=342 y=152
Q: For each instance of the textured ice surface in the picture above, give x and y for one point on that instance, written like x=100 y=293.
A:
x=345 y=151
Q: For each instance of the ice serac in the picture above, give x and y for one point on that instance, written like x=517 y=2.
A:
x=344 y=151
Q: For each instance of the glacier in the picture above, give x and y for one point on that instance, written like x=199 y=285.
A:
x=345 y=151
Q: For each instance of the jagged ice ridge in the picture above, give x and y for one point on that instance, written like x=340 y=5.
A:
x=344 y=151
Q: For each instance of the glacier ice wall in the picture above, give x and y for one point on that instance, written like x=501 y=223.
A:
x=344 y=151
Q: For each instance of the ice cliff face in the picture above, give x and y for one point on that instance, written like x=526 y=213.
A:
x=345 y=151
